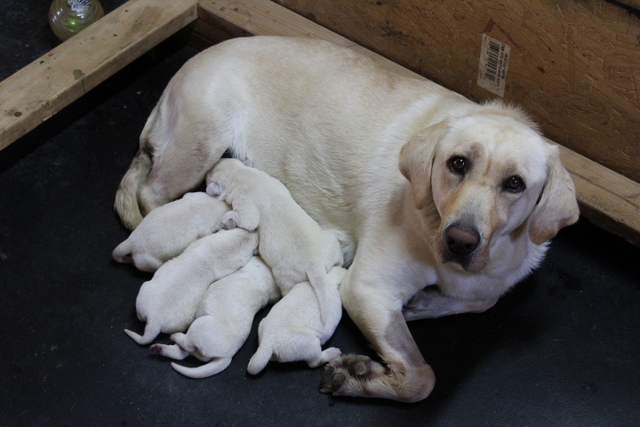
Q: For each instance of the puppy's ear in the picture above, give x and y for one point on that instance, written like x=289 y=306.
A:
x=557 y=207
x=416 y=160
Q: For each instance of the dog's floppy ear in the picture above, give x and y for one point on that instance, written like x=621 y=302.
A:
x=416 y=160
x=557 y=207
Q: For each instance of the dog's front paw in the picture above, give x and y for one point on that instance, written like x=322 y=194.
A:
x=341 y=374
x=354 y=375
x=421 y=305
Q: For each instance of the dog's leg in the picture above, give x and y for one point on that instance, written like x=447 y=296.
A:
x=147 y=263
x=172 y=351
x=245 y=217
x=151 y=331
x=430 y=303
x=227 y=222
x=325 y=356
x=376 y=310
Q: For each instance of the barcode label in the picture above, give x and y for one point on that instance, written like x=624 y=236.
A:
x=494 y=60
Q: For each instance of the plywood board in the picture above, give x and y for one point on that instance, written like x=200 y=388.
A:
x=574 y=64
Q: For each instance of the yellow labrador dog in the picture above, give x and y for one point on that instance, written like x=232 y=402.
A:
x=440 y=204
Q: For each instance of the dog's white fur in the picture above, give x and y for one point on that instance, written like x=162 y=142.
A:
x=290 y=241
x=168 y=230
x=168 y=302
x=223 y=320
x=367 y=153
x=294 y=330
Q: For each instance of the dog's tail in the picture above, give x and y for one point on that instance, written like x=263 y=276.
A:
x=214 y=367
x=122 y=252
x=260 y=359
x=126 y=204
x=150 y=333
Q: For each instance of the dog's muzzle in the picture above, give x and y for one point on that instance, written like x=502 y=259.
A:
x=461 y=242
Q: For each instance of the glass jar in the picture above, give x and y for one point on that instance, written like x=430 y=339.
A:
x=69 y=17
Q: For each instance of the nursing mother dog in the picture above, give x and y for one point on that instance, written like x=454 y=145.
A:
x=440 y=204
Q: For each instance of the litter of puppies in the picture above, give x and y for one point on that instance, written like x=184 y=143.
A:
x=219 y=258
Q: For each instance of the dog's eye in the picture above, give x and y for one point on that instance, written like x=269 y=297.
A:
x=458 y=165
x=514 y=184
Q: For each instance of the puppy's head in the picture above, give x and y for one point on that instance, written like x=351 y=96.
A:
x=488 y=176
x=218 y=178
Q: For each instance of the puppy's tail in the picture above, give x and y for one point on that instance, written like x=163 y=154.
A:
x=122 y=252
x=214 y=367
x=150 y=333
x=260 y=359
x=126 y=203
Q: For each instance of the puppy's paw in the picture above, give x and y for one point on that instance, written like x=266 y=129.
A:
x=331 y=353
x=157 y=348
x=229 y=221
x=342 y=376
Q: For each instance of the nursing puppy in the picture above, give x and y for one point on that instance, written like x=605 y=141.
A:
x=169 y=301
x=290 y=241
x=223 y=321
x=168 y=230
x=422 y=187
x=294 y=331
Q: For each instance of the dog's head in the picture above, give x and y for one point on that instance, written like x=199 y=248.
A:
x=488 y=175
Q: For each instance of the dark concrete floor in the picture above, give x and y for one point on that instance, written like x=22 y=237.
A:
x=562 y=349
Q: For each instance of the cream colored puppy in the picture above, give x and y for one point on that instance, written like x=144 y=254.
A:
x=422 y=187
x=169 y=301
x=290 y=241
x=223 y=321
x=294 y=331
x=168 y=230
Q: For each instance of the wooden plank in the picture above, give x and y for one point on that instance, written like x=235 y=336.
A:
x=260 y=17
x=199 y=34
x=634 y=5
x=574 y=64
x=607 y=198
x=44 y=87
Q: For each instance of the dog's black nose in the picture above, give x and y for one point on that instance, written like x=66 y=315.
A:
x=461 y=240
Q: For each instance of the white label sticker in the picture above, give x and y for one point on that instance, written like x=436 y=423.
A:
x=79 y=5
x=494 y=60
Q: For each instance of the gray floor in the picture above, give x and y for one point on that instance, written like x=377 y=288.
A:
x=562 y=349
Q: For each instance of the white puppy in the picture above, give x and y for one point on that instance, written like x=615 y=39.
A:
x=290 y=241
x=168 y=230
x=169 y=301
x=223 y=320
x=293 y=330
